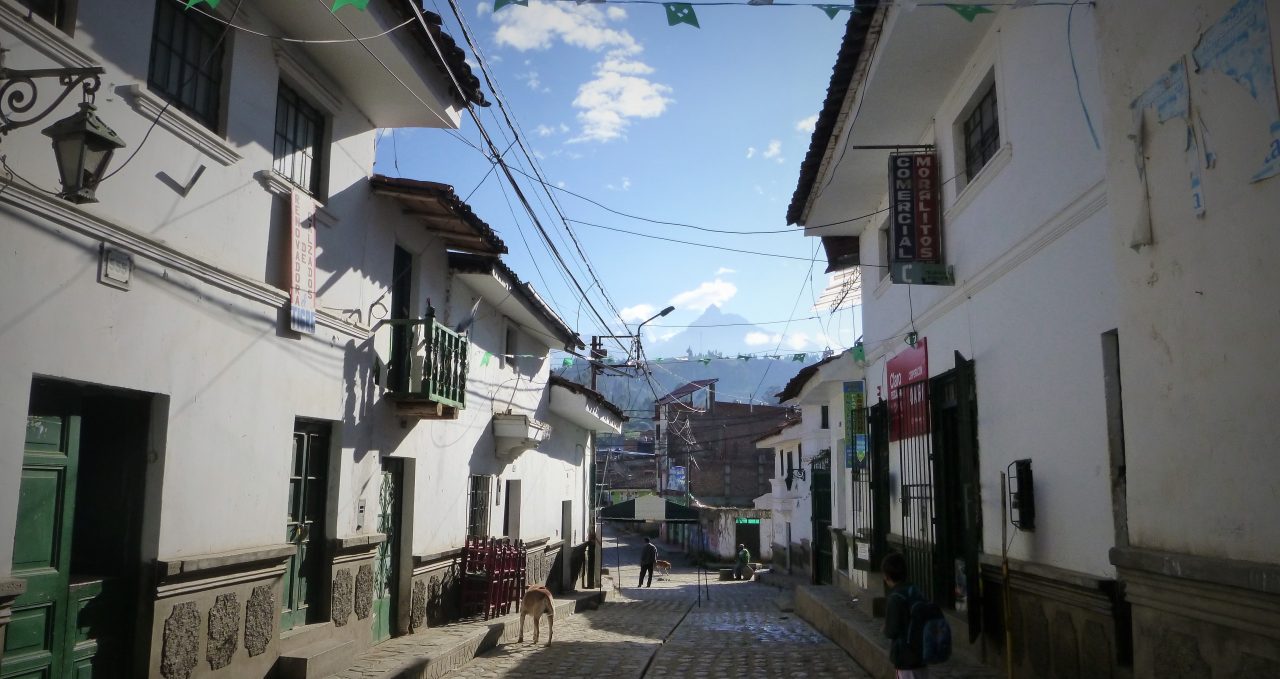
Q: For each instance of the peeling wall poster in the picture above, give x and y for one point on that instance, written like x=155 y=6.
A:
x=1239 y=46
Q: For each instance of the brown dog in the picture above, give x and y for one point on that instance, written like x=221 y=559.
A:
x=538 y=602
x=662 y=568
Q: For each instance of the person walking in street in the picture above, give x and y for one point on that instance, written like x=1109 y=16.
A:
x=742 y=566
x=907 y=663
x=648 y=555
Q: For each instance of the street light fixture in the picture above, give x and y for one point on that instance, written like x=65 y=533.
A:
x=82 y=143
x=660 y=314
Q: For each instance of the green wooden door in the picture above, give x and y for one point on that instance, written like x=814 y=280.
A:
x=304 y=528
x=37 y=636
x=385 y=575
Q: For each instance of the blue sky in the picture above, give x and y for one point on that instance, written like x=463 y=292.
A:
x=705 y=126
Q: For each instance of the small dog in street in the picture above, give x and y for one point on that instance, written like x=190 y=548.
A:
x=537 y=603
x=663 y=568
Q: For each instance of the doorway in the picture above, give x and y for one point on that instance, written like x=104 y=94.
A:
x=958 y=507
x=821 y=511
x=305 y=525
x=386 y=567
x=78 y=538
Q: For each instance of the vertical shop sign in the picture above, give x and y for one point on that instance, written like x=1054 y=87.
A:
x=855 y=417
x=302 y=264
x=908 y=378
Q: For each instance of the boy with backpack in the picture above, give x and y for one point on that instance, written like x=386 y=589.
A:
x=918 y=633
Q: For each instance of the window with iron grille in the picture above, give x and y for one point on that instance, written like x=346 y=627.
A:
x=981 y=133
x=186 y=61
x=478 y=506
x=60 y=13
x=298 y=140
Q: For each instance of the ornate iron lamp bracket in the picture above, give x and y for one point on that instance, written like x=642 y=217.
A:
x=19 y=93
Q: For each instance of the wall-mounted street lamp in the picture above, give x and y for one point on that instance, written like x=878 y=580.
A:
x=82 y=143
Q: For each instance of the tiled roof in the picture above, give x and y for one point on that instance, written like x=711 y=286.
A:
x=455 y=59
x=797 y=383
x=842 y=74
x=559 y=381
x=443 y=213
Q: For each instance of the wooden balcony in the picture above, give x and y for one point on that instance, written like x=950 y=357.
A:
x=428 y=378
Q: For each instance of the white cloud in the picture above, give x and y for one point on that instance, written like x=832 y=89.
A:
x=544 y=131
x=637 y=313
x=751 y=152
x=620 y=90
x=724 y=270
x=774 y=150
x=541 y=24
x=616 y=95
x=532 y=80
x=796 y=340
x=560 y=184
x=564 y=129
x=483 y=8
x=755 y=339
x=624 y=185
x=807 y=124
x=706 y=294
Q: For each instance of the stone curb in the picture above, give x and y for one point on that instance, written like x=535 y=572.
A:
x=435 y=661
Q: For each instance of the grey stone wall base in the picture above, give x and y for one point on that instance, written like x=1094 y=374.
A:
x=1191 y=628
x=1259 y=577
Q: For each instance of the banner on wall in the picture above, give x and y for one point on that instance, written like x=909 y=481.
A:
x=302 y=264
x=855 y=403
x=907 y=375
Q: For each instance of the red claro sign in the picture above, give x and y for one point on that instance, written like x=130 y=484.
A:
x=911 y=365
x=913 y=189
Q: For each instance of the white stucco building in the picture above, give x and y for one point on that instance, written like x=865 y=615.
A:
x=1196 y=543
x=235 y=496
x=1008 y=358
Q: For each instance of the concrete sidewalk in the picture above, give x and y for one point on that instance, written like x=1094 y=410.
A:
x=435 y=651
x=835 y=614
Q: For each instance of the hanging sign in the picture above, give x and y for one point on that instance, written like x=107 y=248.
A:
x=908 y=378
x=302 y=264
x=915 y=220
x=855 y=403
x=676 y=479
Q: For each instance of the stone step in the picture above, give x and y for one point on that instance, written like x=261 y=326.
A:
x=305 y=635
x=316 y=660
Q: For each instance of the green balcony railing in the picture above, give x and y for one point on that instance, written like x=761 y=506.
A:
x=445 y=371
x=428 y=360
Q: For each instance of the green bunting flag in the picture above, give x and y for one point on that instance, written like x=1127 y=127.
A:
x=797 y=357
x=339 y=4
x=859 y=352
x=832 y=10
x=213 y=4
x=704 y=361
x=970 y=11
x=484 y=360
x=497 y=5
x=679 y=13
x=566 y=363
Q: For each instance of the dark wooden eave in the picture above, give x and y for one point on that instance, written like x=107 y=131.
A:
x=842 y=75
x=455 y=59
x=442 y=213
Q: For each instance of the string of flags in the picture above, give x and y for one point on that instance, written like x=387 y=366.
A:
x=858 y=352
x=337 y=4
x=684 y=13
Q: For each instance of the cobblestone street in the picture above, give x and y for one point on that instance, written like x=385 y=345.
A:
x=663 y=632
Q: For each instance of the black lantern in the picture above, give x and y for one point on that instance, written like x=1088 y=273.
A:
x=82 y=145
